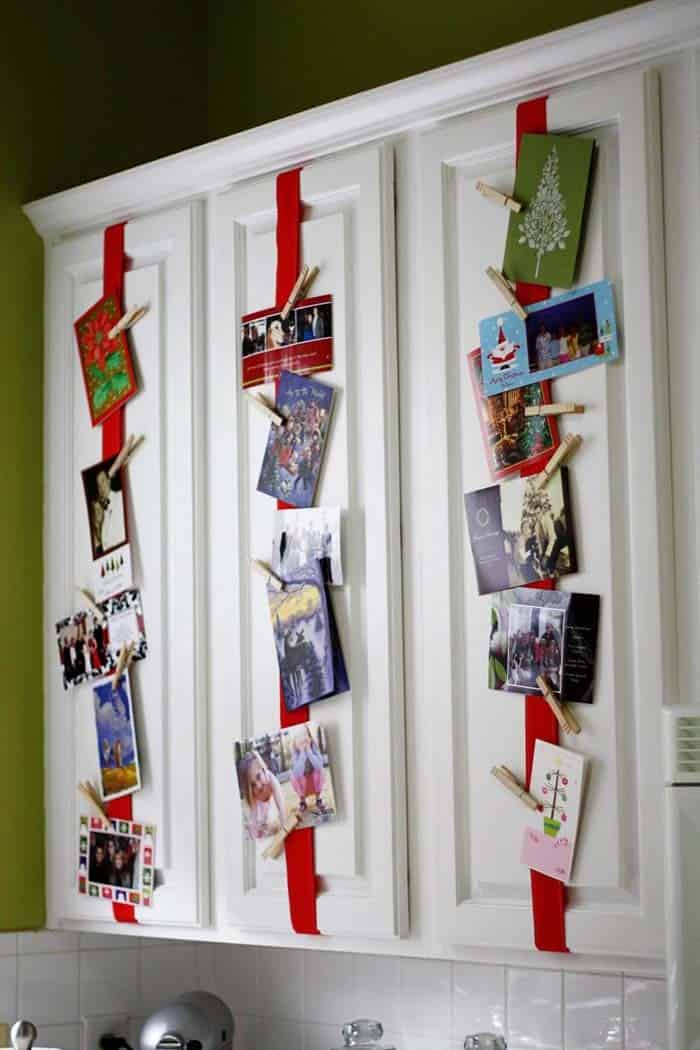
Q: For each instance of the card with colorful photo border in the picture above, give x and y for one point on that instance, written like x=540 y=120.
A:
x=116 y=860
x=106 y=364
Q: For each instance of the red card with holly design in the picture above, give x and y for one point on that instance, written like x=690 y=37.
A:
x=108 y=371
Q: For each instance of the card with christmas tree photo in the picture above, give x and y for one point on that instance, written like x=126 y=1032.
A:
x=551 y=182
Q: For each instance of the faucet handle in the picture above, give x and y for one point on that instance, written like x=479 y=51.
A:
x=23 y=1034
x=485 y=1041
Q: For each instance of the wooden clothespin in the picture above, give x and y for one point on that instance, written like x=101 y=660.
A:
x=266 y=572
x=128 y=320
x=126 y=452
x=506 y=291
x=295 y=292
x=496 y=195
x=567 y=448
x=563 y=715
x=125 y=654
x=512 y=784
x=275 y=848
x=90 y=602
x=266 y=408
x=311 y=277
x=90 y=792
x=558 y=408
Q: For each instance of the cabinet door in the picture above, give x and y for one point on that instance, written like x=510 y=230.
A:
x=622 y=518
x=164 y=512
x=348 y=231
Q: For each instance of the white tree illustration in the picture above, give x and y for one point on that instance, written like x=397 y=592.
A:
x=545 y=226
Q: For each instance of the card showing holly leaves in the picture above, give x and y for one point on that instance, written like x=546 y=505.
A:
x=106 y=364
x=551 y=182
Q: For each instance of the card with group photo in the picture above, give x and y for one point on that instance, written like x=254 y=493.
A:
x=116 y=860
x=301 y=343
x=88 y=645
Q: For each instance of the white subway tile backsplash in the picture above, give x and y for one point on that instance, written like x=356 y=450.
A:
x=592 y=1011
x=8 y=943
x=110 y=982
x=426 y=997
x=534 y=1009
x=478 y=1000
x=321 y=1037
x=237 y=976
x=48 y=988
x=377 y=990
x=272 y=1033
x=166 y=972
x=328 y=987
x=46 y=941
x=645 y=1014
x=8 y=988
x=280 y=985
x=64 y=1036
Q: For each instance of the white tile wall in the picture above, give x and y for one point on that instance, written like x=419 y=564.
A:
x=297 y=1000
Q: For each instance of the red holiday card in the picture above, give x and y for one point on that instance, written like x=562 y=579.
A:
x=108 y=371
x=301 y=343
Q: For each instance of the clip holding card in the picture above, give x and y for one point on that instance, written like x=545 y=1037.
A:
x=125 y=654
x=512 y=784
x=128 y=320
x=295 y=293
x=275 y=848
x=496 y=195
x=92 y=606
x=557 y=408
x=506 y=291
x=567 y=448
x=90 y=792
x=126 y=452
x=266 y=572
x=266 y=408
x=563 y=715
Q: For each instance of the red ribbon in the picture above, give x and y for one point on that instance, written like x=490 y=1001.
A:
x=112 y=441
x=548 y=895
x=302 y=885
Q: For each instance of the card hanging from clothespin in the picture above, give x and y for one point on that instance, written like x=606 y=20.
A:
x=557 y=408
x=126 y=452
x=506 y=291
x=125 y=654
x=300 y=290
x=91 y=604
x=90 y=792
x=128 y=320
x=569 y=445
x=275 y=848
x=500 y=198
x=266 y=408
x=268 y=575
x=563 y=715
x=512 y=784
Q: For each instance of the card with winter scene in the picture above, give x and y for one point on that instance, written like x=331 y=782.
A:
x=551 y=182
x=550 y=633
x=108 y=371
x=294 y=451
x=549 y=839
x=512 y=440
x=117 y=751
x=301 y=343
x=116 y=860
x=285 y=774
x=564 y=334
x=308 y=648
x=518 y=534
x=308 y=535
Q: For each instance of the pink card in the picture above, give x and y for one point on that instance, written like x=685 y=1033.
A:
x=557 y=784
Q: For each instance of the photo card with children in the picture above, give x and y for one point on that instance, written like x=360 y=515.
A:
x=301 y=343
x=117 y=751
x=116 y=860
x=549 y=633
x=88 y=646
x=518 y=534
x=557 y=782
x=294 y=451
x=564 y=334
x=106 y=364
x=282 y=774
x=308 y=535
x=512 y=440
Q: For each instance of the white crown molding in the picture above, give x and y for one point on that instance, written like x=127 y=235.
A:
x=635 y=35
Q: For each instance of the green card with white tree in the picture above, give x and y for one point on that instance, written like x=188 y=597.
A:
x=551 y=182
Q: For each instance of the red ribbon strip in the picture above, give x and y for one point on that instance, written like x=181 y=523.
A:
x=112 y=441
x=302 y=885
x=548 y=895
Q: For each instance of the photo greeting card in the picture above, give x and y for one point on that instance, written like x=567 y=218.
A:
x=107 y=519
x=302 y=343
x=551 y=182
x=292 y=460
x=307 y=643
x=117 y=752
x=549 y=839
x=512 y=440
x=88 y=647
x=116 y=860
x=106 y=364
x=564 y=334
x=302 y=536
x=550 y=633
x=282 y=774
x=519 y=535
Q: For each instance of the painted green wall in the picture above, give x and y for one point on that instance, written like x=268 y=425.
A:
x=73 y=108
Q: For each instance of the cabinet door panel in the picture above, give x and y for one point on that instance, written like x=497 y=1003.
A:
x=348 y=232
x=624 y=539
x=164 y=532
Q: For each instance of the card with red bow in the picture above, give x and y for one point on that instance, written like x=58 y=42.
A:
x=106 y=364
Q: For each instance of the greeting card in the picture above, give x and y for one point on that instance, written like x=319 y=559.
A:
x=116 y=860
x=117 y=751
x=308 y=535
x=301 y=343
x=108 y=371
x=556 y=782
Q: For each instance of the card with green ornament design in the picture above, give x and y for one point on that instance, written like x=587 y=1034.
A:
x=551 y=182
x=108 y=371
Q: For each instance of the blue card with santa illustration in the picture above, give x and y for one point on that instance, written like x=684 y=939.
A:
x=564 y=334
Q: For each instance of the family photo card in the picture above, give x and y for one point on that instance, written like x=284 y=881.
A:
x=116 y=860
x=564 y=334
x=283 y=774
x=106 y=511
x=512 y=440
x=549 y=839
x=519 y=535
x=549 y=633
x=117 y=752
x=308 y=535
x=88 y=647
x=551 y=182
x=302 y=343
x=311 y=662
x=106 y=364
x=294 y=451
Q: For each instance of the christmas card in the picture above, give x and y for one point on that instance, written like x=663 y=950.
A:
x=556 y=782
x=117 y=752
x=551 y=182
x=550 y=633
x=302 y=536
x=116 y=860
x=518 y=534
x=89 y=645
x=302 y=343
x=512 y=440
x=566 y=333
x=108 y=371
